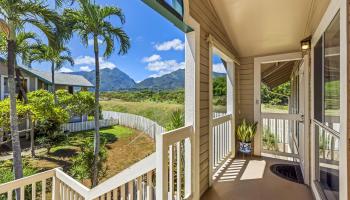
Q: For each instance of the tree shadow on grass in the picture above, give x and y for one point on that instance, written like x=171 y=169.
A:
x=65 y=153
x=109 y=137
x=65 y=164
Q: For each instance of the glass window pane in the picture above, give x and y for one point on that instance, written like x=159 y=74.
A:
x=331 y=75
x=318 y=68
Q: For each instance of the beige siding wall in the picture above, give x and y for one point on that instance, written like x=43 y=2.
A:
x=31 y=79
x=203 y=12
x=245 y=89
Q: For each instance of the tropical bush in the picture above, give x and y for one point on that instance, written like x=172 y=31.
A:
x=83 y=163
x=246 y=131
x=269 y=140
x=49 y=140
x=177 y=120
x=22 y=112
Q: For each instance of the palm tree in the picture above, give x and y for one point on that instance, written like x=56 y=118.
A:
x=57 y=55
x=25 y=47
x=14 y=15
x=92 y=21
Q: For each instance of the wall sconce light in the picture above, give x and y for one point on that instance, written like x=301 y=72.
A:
x=305 y=44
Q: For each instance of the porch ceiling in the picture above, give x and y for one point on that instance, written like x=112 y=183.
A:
x=258 y=27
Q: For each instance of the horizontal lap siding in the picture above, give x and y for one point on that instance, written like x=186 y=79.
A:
x=205 y=15
x=245 y=89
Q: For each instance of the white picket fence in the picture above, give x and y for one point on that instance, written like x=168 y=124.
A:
x=111 y=118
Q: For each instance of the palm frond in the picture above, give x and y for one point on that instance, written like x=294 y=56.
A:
x=110 y=11
x=4 y=27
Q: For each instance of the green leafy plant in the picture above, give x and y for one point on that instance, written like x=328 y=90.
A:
x=246 y=131
x=269 y=140
x=177 y=120
x=82 y=163
x=48 y=141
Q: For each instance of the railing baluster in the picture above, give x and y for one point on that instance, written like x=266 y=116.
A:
x=139 y=188
x=122 y=192
x=22 y=192
x=108 y=195
x=34 y=190
x=115 y=194
x=9 y=195
x=43 y=189
x=171 y=172
x=149 y=185
x=178 y=173
x=131 y=190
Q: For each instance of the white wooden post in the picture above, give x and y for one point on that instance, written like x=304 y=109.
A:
x=162 y=168
x=192 y=172
x=230 y=102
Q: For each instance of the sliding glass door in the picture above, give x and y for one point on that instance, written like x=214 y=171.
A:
x=327 y=109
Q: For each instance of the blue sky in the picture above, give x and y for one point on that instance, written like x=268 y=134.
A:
x=157 y=46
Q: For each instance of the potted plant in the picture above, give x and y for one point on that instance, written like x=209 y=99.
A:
x=245 y=133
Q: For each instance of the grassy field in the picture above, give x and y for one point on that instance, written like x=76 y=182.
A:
x=159 y=112
x=123 y=150
x=156 y=111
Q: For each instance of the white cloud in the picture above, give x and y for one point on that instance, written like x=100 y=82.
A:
x=65 y=69
x=152 y=58
x=90 y=61
x=175 y=44
x=164 y=67
x=219 y=67
x=91 y=42
x=85 y=68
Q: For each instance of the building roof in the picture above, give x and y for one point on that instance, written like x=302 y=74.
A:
x=60 y=78
x=275 y=74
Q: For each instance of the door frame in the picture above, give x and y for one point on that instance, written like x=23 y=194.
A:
x=258 y=61
x=215 y=48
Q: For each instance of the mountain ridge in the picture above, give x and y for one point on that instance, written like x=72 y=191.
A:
x=117 y=80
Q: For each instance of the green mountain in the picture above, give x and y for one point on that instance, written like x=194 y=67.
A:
x=111 y=79
x=114 y=80
x=173 y=80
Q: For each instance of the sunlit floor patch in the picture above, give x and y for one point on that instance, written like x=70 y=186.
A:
x=254 y=170
x=229 y=171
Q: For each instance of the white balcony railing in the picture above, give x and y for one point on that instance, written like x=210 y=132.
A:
x=280 y=133
x=221 y=140
x=328 y=144
x=171 y=166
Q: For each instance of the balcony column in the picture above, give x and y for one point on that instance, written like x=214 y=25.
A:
x=230 y=102
x=192 y=109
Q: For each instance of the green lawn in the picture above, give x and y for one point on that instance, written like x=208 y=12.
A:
x=267 y=108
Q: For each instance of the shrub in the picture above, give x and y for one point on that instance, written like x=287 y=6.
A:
x=177 y=120
x=269 y=140
x=82 y=163
x=49 y=140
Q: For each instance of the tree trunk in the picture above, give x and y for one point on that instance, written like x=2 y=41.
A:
x=25 y=99
x=16 y=147
x=53 y=80
x=97 y=115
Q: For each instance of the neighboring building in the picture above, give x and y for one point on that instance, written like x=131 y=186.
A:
x=36 y=79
